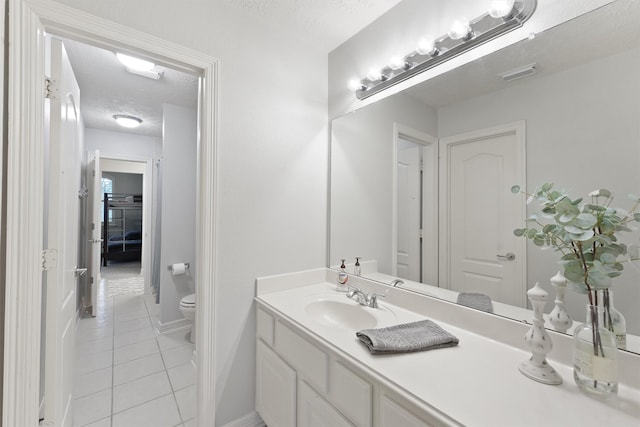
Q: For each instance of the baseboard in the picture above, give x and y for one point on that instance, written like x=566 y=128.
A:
x=173 y=326
x=249 y=420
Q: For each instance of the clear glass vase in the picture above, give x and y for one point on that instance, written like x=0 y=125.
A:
x=595 y=358
x=613 y=320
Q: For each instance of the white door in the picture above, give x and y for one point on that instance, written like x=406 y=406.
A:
x=409 y=211
x=480 y=213
x=62 y=238
x=94 y=173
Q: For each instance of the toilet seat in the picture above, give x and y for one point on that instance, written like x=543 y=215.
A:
x=188 y=301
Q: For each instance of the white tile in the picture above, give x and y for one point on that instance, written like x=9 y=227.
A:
x=134 y=351
x=94 y=346
x=182 y=376
x=123 y=317
x=132 y=325
x=93 y=362
x=187 y=402
x=88 y=335
x=173 y=340
x=190 y=423
x=161 y=412
x=105 y=422
x=133 y=337
x=92 y=408
x=178 y=355
x=92 y=382
x=137 y=368
x=139 y=391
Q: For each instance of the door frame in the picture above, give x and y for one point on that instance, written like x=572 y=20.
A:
x=446 y=144
x=426 y=140
x=148 y=190
x=28 y=21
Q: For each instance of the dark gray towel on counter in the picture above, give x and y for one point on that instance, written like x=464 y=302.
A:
x=476 y=300
x=405 y=338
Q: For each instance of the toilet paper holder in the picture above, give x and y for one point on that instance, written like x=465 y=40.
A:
x=170 y=267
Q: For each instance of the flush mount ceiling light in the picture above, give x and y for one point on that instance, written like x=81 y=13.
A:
x=503 y=16
x=139 y=66
x=127 y=121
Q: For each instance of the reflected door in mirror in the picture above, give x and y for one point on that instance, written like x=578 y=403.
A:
x=482 y=213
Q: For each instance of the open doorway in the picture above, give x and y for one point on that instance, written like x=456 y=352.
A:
x=135 y=336
x=23 y=270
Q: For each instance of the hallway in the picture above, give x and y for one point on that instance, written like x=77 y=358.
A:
x=125 y=375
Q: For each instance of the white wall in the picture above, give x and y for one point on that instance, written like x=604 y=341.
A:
x=125 y=183
x=362 y=177
x=123 y=143
x=178 y=229
x=272 y=157
x=583 y=134
x=398 y=31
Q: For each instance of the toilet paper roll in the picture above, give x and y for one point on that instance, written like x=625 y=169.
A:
x=178 y=268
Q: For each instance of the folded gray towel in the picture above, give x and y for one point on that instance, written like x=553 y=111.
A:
x=405 y=338
x=476 y=300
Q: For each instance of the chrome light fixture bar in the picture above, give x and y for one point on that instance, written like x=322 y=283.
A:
x=503 y=16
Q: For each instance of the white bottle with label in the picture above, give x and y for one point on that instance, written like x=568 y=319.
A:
x=343 y=278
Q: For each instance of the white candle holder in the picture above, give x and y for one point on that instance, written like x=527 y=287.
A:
x=539 y=342
x=559 y=317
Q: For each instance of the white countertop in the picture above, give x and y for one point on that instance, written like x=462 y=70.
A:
x=476 y=383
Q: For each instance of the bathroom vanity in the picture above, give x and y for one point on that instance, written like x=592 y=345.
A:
x=312 y=370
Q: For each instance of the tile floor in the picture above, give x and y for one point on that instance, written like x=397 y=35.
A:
x=125 y=375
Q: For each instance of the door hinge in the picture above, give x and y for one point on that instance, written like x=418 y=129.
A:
x=93 y=225
x=50 y=88
x=420 y=233
x=49 y=259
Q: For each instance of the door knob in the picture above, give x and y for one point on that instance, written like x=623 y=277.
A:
x=96 y=240
x=80 y=271
x=510 y=256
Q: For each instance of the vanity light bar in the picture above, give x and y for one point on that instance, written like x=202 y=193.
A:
x=480 y=30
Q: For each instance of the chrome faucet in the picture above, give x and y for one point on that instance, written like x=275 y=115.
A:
x=363 y=298
x=358 y=295
x=396 y=283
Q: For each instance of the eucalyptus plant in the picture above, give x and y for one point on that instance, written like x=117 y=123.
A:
x=585 y=233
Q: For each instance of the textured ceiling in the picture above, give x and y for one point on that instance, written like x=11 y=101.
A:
x=108 y=89
x=323 y=23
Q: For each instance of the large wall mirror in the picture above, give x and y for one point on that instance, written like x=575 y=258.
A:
x=575 y=113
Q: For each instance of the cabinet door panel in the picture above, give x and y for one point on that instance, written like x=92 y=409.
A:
x=393 y=414
x=314 y=411
x=275 y=389
x=351 y=394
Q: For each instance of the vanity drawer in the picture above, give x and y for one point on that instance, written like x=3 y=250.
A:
x=351 y=394
x=308 y=360
x=264 y=326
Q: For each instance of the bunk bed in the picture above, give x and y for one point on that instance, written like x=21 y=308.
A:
x=122 y=227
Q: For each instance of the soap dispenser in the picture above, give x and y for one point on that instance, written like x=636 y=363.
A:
x=356 y=268
x=343 y=278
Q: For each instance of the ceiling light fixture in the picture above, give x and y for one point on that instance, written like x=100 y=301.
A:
x=127 y=121
x=502 y=17
x=135 y=63
x=139 y=66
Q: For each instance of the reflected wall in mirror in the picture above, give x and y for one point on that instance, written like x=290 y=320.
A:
x=579 y=113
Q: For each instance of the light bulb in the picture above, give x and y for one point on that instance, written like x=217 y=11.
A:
x=397 y=62
x=460 y=29
x=135 y=63
x=427 y=46
x=501 y=8
x=374 y=74
x=354 y=85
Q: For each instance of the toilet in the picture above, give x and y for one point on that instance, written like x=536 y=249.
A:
x=188 y=309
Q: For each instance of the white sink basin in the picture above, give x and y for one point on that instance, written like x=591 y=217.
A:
x=341 y=314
